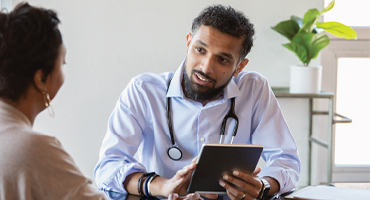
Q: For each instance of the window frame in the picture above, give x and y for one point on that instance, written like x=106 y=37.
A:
x=337 y=48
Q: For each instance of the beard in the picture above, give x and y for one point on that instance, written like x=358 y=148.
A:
x=199 y=92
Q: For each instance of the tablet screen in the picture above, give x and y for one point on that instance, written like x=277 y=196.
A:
x=215 y=160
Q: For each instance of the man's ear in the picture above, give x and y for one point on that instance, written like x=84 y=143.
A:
x=188 y=41
x=39 y=80
x=241 y=66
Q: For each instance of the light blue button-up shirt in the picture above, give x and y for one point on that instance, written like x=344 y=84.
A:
x=138 y=136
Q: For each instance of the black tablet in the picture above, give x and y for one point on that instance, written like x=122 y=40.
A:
x=215 y=160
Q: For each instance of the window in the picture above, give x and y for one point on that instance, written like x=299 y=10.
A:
x=353 y=100
x=351 y=13
x=346 y=67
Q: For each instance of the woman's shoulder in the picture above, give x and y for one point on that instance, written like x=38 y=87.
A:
x=39 y=152
x=32 y=139
x=30 y=145
x=26 y=148
x=42 y=159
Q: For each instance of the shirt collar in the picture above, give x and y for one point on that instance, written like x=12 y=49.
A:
x=11 y=112
x=175 y=89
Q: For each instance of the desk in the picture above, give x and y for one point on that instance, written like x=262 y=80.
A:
x=336 y=118
x=310 y=192
x=118 y=196
x=321 y=192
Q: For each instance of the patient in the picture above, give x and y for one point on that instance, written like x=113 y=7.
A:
x=33 y=165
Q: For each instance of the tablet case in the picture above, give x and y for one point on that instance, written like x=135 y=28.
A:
x=215 y=160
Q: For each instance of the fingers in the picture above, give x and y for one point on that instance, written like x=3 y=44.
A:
x=240 y=183
x=195 y=159
x=186 y=170
x=210 y=196
x=251 y=184
x=173 y=196
x=193 y=196
x=246 y=178
x=179 y=182
x=256 y=171
x=242 y=197
x=234 y=193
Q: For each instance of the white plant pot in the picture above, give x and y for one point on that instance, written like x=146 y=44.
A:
x=305 y=79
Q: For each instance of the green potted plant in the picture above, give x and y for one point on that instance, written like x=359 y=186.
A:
x=306 y=40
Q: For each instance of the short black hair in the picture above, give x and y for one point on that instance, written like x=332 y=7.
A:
x=227 y=20
x=29 y=40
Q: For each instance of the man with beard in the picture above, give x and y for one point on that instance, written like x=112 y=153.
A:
x=161 y=120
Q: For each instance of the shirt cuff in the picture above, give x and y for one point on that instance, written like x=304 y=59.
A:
x=286 y=180
x=115 y=182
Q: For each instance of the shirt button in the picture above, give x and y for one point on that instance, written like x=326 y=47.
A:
x=202 y=139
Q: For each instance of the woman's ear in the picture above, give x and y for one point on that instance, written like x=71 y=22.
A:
x=39 y=80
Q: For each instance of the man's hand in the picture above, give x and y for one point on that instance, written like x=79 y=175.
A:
x=175 y=186
x=242 y=186
x=193 y=196
x=178 y=183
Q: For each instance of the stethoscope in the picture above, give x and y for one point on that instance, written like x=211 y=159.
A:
x=174 y=152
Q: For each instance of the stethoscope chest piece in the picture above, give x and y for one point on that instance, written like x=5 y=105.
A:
x=174 y=153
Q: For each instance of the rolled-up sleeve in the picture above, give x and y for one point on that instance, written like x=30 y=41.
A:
x=121 y=142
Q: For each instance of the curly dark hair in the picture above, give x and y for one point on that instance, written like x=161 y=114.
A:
x=229 y=21
x=29 y=40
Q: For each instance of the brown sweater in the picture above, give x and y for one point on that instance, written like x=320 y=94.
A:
x=35 y=166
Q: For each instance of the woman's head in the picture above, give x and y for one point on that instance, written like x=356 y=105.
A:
x=30 y=41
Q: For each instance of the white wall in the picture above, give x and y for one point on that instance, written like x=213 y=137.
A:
x=6 y=4
x=109 y=42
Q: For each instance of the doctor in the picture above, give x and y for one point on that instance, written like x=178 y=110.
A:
x=161 y=120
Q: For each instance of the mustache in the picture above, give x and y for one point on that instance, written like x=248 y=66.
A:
x=203 y=74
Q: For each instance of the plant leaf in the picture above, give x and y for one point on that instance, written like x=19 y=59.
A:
x=304 y=39
x=318 y=42
x=298 y=20
x=309 y=20
x=287 y=28
x=310 y=14
x=300 y=23
x=299 y=50
x=327 y=8
x=338 y=29
x=308 y=28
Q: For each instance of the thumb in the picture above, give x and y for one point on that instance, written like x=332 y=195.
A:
x=173 y=196
x=256 y=171
x=195 y=159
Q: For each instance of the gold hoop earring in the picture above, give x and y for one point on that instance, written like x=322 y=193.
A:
x=48 y=105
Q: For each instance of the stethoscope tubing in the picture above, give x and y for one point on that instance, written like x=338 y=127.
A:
x=175 y=152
